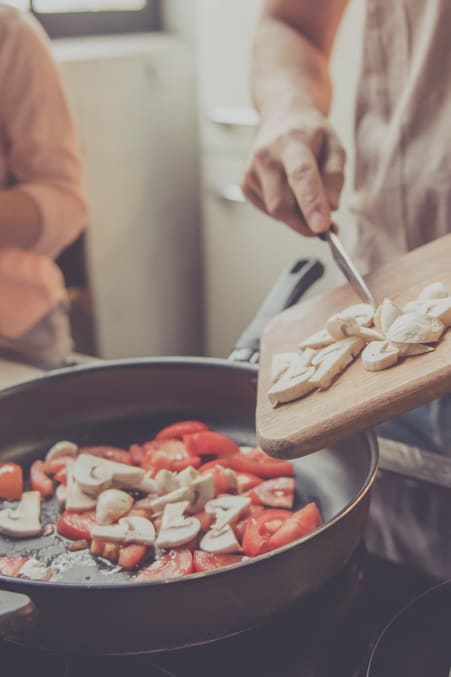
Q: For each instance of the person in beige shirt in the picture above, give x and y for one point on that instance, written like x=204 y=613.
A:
x=402 y=185
x=42 y=204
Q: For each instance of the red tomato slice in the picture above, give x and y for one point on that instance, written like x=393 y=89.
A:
x=240 y=526
x=258 y=463
x=11 y=481
x=260 y=528
x=224 y=480
x=247 y=481
x=168 y=455
x=180 y=429
x=39 y=479
x=10 y=566
x=276 y=493
x=205 y=467
x=110 y=453
x=297 y=525
x=137 y=454
x=174 y=563
x=61 y=476
x=205 y=519
x=131 y=555
x=209 y=443
x=56 y=464
x=76 y=526
x=206 y=561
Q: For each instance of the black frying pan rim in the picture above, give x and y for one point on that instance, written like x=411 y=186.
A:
x=192 y=362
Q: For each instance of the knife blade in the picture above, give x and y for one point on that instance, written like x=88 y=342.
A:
x=347 y=267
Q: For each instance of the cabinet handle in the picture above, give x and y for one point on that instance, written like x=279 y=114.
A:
x=233 y=117
x=231 y=192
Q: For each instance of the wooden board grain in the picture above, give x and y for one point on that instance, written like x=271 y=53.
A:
x=358 y=399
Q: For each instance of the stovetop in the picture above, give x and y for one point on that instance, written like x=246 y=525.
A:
x=330 y=635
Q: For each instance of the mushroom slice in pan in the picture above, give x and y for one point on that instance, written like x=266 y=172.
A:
x=62 y=449
x=379 y=355
x=76 y=500
x=127 y=530
x=95 y=474
x=435 y=290
x=24 y=521
x=187 y=476
x=203 y=489
x=288 y=389
x=321 y=339
x=336 y=362
x=227 y=509
x=112 y=504
x=386 y=313
x=166 y=481
x=177 y=529
x=181 y=494
x=220 y=540
x=415 y=328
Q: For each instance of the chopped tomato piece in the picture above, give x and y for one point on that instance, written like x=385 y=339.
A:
x=206 y=561
x=97 y=547
x=260 y=528
x=61 y=476
x=174 y=563
x=10 y=566
x=276 y=493
x=240 y=526
x=56 y=464
x=39 y=479
x=206 y=519
x=224 y=479
x=209 y=443
x=258 y=463
x=246 y=481
x=110 y=453
x=213 y=464
x=168 y=455
x=180 y=429
x=137 y=454
x=298 y=524
x=11 y=481
x=75 y=525
x=131 y=555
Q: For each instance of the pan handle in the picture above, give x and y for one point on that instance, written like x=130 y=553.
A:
x=17 y=613
x=288 y=289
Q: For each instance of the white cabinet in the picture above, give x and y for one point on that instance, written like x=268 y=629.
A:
x=244 y=251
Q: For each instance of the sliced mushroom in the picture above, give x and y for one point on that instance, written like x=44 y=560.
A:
x=288 y=389
x=413 y=349
x=76 y=499
x=166 y=481
x=441 y=310
x=62 y=449
x=320 y=339
x=128 y=530
x=36 y=571
x=341 y=327
x=147 y=485
x=61 y=495
x=22 y=522
x=386 y=313
x=187 y=476
x=220 y=540
x=379 y=355
x=95 y=474
x=204 y=489
x=176 y=529
x=336 y=362
x=290 y=364
x=415 y=328
x=112 y=504
x=362 y=312
x=435 y=290
x=226 y=509
x=421 y=307
x=352 y=345
x=181 y=494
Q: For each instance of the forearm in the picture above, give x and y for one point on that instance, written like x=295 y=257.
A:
x=20 y=219
x=289 y=72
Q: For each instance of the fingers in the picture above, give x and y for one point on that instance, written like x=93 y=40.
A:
x=305 y=181
x=332 y=169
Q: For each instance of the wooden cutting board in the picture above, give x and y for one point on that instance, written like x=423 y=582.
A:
x=358 y=399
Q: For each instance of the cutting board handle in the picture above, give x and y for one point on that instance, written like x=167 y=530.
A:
x=290 y=286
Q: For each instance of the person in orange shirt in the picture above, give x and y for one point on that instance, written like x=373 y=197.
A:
x=42 y=205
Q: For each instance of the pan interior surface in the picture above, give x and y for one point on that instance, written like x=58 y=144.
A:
x=124 y=402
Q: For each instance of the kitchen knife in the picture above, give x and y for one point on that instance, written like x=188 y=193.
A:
x=347 y=267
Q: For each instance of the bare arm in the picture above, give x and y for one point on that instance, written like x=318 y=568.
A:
x=20 y=221
x=295 y=172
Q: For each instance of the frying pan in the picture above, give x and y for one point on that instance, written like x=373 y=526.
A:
x=92 y=611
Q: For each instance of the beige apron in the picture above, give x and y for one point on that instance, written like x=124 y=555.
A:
x=402 y=195
x=402 y=199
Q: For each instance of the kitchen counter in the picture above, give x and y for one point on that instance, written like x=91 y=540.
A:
x=13 y=372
